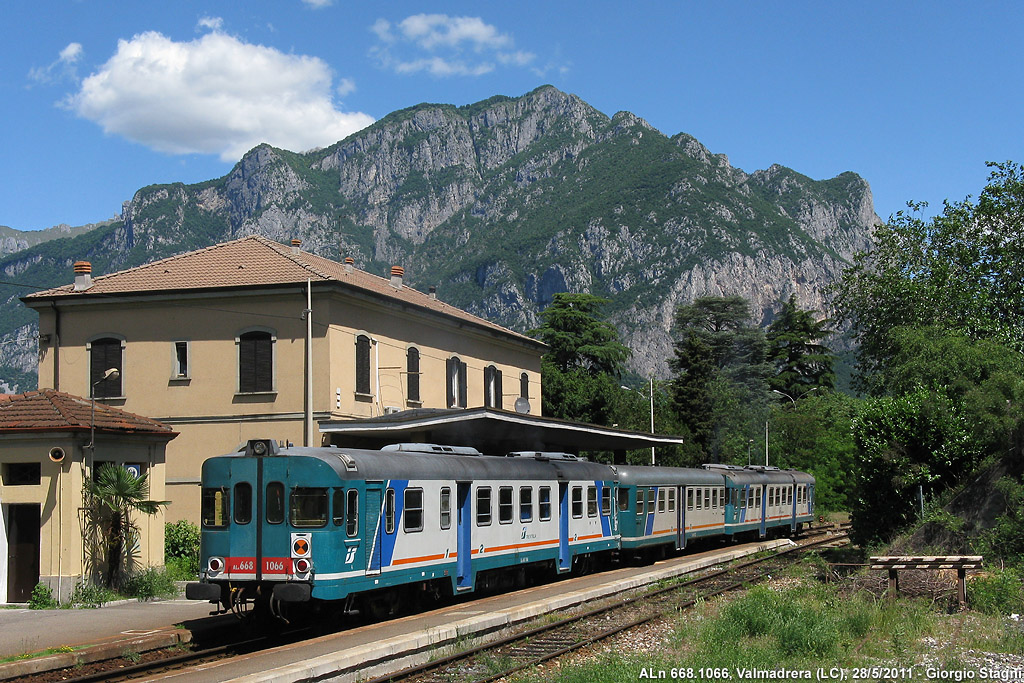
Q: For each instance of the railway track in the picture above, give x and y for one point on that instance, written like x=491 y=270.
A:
x=527 y=649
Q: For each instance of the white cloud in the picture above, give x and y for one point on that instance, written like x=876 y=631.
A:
x=211 y=23
x=346 y=86
x=63 y=68
x=318 y=4
x=214 y=95
x=444 y=46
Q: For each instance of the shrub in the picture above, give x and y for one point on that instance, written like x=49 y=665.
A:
x=89 y=595
x=41 y=598
x=150 y=583
x=181 y=547
x=996 y=593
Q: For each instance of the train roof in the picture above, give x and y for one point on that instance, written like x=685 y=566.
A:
x=760 y=474
x=646 y=475
x=352 y=463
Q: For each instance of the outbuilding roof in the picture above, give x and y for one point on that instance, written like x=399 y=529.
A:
x=256 y=261
x=49 y=410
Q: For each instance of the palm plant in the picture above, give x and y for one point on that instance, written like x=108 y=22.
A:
x=110 y=500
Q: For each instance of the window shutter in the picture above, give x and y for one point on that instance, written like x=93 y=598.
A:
x=255 y=362
x=488 y=385
x=413 y=374
x=497 y=389
x=449 y=374
x=463 y=388
x=105 y=354
x=362 y=364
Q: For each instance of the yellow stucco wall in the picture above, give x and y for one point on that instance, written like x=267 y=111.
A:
x=62 y=561
x=206 y=409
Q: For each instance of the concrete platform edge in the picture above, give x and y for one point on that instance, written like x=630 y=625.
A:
x=410 y=651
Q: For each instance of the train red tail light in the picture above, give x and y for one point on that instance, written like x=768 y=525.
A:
x=215 y=564
x=302 y=565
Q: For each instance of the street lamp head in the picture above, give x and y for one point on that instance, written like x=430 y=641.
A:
x=111 y=373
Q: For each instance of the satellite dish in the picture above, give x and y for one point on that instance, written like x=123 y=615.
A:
x=523 y=406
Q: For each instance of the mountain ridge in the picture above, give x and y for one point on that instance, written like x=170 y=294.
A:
x=502 y=203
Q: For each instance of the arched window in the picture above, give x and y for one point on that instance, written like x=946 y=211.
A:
x=104 y=354
x=492 y=387
x=362 y=364
x=255 y=362
x=412 y=374
x=524 y=386
x=456 y=383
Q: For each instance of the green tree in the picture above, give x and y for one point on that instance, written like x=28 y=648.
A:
x=815 y=435
x=801 y=363
x=579 y=337
x=719 y=370
x=581 y=370
x=961 y=271
x=110 y=501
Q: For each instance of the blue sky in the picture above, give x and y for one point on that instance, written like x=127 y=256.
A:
x=101 y=98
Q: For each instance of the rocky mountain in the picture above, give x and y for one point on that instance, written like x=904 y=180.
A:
x=501 y=204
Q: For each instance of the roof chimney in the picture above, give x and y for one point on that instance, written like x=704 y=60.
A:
x=83 y=276
x=295 y=246
x=349 y=264
x=396 y=276
x=432 y=291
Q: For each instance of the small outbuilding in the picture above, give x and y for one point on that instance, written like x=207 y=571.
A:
x=50 y=444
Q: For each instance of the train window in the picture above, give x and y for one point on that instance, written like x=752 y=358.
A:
x=544 y=503
x=700 y=500
x=412 y=517
x=389 y=511
x=215 y=508
x=338 y=506
x=757 y=498
x=525 y=504
x=743 y=498
x=577 y=502
x=623 y=500
x=672 y=499
x=483 y=506
x=707 y=499
x=505 y=505
x=591 y=501
x=352 y=513
x=771 y=496
x=714 y=499
x=651 y=492
x=640 y=501
x=689 y=499
x=308 y=507
x=275 y=502
x=789 y=495
x=243 y=502
x=446 y=507
x=606 y=501
x=662 y=495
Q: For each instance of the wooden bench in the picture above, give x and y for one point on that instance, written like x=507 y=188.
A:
x=961 y=563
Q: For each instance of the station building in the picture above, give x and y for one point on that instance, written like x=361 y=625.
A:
x=49 y=441
x=255 y=339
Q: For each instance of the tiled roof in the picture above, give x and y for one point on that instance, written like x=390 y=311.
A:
x=251 y=262
x=47 y=409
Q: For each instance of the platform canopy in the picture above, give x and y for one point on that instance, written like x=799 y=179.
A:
x=489 y=430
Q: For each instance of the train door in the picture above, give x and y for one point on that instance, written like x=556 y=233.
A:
x=464 y=564
x=244 y=551
x=373 y=531
x=680 y=517
x=763 y=510
x=564 y=553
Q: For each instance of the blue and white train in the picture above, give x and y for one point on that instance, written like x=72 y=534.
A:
x=294 y=525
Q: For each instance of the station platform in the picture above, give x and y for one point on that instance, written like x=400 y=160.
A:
x=384 y=647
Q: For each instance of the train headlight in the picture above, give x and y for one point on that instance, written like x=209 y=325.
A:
x=302 y=565
x=215 y=565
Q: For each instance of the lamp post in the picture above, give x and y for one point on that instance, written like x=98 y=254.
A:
x=111 y=373
x=794 y=400
x=651 y=397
